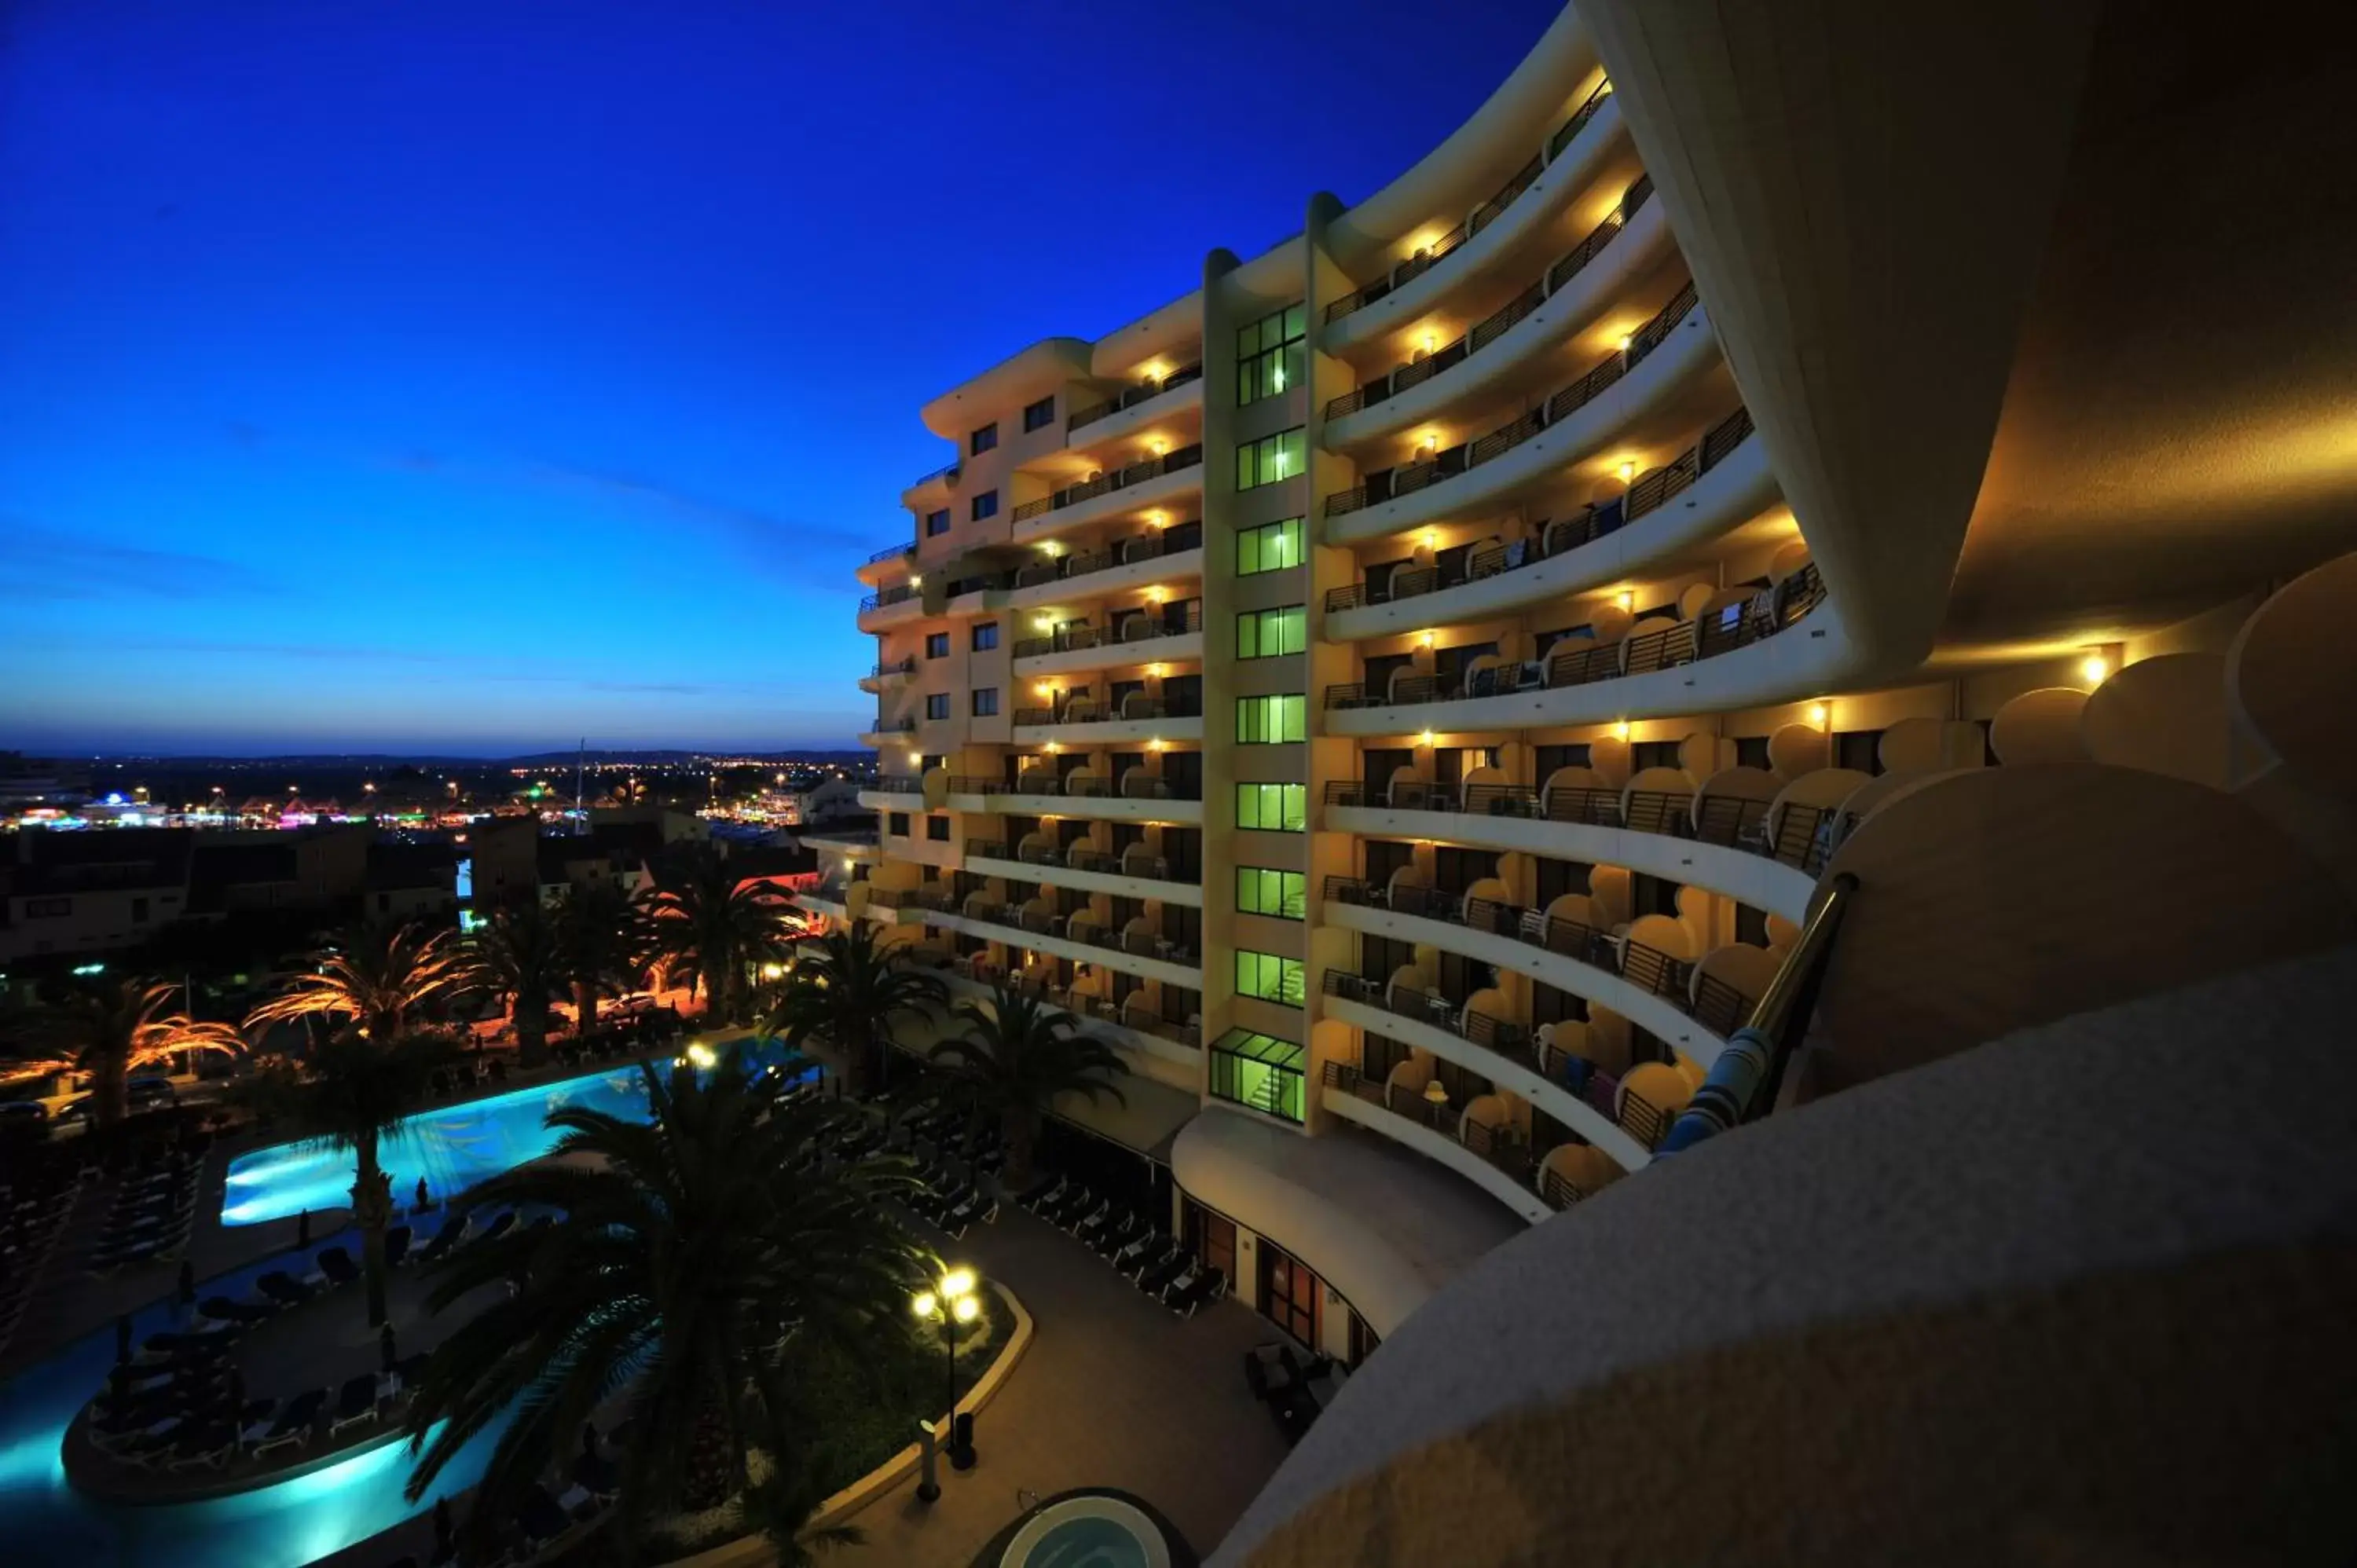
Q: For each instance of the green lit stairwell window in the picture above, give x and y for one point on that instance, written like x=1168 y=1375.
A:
x=1259 y=1072
x=1271 y=354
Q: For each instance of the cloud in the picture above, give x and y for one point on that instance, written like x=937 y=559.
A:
x=48 y=564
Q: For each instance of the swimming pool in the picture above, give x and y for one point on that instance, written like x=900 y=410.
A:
x=452 y=1148
x=1092 y=1529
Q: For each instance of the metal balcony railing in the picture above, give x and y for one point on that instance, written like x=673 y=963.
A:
x=899 y=593
x=899 y=784
x=1480 y=219
x=1501 y=1148
x=1120 y=479
x=1132 y=397
x=905 y=667
x=889 y=551
x=1131 y=627
x=948 y=470
x=1577 y=662
x=1647 y=493
x=1389 y=484
x=1382 y=389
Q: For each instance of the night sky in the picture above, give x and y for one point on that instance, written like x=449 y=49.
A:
x=470 y=377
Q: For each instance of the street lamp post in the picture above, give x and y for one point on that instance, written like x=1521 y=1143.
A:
x=952 y=1304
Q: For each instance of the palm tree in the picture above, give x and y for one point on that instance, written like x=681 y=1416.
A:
x=1014 y=1060
x=601 y=946
x=848 y=990
x=373 y=980
x=691 y=1261
x=354 y=1095
x=517 y=957
x=111 y=1033
x=704 y=920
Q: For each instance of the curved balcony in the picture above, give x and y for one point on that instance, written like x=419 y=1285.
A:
x=1161 y=555
x=1140 y=797
x=1122 y=415
x=886 y=676
x=1494 y=1159
x=933 y=487
x=1725 y=845
x=1077 y=721
x=1530 y=197
x=1664 y=996
x=889 y=731
x=887 y=561
x=1155 y=480
x=889 y=606
x=1142 y=634
x=1132 y=874
x=894 y=792
x=1504 y=1052
x=1581 y=681
x=1567 y=295
x=1661 y=358
x=1054 y=936
x=1721 y=481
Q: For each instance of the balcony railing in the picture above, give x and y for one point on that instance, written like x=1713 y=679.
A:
x=1389 y=484
x=1129 y=711
x=1382 y=389
x=891 y=551
x=1135 y=784
x=1575 y=661
x=1502 y=1147
x=1119 y=479
x=1080 y=1004
x=948 y=470
x=899 y=784
x=1708 y=1000
x=1079 y=926
x=1129 y=552
x=1647 y=494
x=1137 y=626
x=897 y=594
x=894 y=726
x=1132 y=397
x=1079 y=857
x=905 y=667
x=1482 y=217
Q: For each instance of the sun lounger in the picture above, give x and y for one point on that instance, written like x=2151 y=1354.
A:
x=253 y=1423
x=221 y=1309
x=356 y=1404
x=280 y=1287
x=295 y=1422
x=337 y=1264
x=1186 y=1299
x=454 y=1230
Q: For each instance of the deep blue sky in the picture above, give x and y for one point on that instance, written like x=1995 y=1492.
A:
x=465 y=375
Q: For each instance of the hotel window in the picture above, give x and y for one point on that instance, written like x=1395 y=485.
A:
x=937 y=522
x=985 y=636
x=1271 y=547
x=937 y=829
x=1265 y=634
x=985 y=701
x=1042 y=412
x=937 y=706
x=47 y=908
x=937 y=645
x=986 y=505
x=1273 y=808
x=1268 y=977
x=982 y=440
x=1272 y=721
x=900 y=824
x=1270 y=354
x=1269 y=459
x=1280 y=894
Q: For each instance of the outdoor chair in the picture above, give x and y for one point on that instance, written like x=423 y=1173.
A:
x=454 y=1230
x=294 y=1424
x=280 y=1285
x=338 y=1266
x=355 y=1405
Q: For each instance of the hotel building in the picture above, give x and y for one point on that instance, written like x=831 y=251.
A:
x=1415 y=693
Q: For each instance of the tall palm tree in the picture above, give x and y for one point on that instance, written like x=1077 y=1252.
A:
x=517 y=957
x=111 y=1033
x=354 y=1094
x=849 y=991
x=1014 y=1057
x=691 y=1261
x=702 y=918
x=373 y=982
x=601 y=945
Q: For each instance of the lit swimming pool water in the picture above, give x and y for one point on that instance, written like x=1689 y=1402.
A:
x=44 y=1520
x=453 y=1147
x=1092 y=1530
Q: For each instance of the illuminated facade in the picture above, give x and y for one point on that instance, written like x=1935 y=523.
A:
x=1410 y=693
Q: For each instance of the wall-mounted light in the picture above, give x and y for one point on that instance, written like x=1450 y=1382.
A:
x=1819 y=715
x=1628 y=472
x=1621 y=730
x=1045 y=689
x=1043 y=623
x=1428 y=442
x=1627 y=600
x=1155 y=670
x=914 y=758
x=1424 y=741
x=1154 y=595
x=1431 y=538
x=1157 y=445
x=2095 y=669
x=1423 y=640
x=1053 y=747
x=1627 y=338
x=1154 y=744
x=916 y=580
x=1051 y=548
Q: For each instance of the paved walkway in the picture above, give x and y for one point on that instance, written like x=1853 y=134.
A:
x=1114 y=1392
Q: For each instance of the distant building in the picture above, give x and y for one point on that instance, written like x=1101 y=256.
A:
x=91 y=892
x=412 y=881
